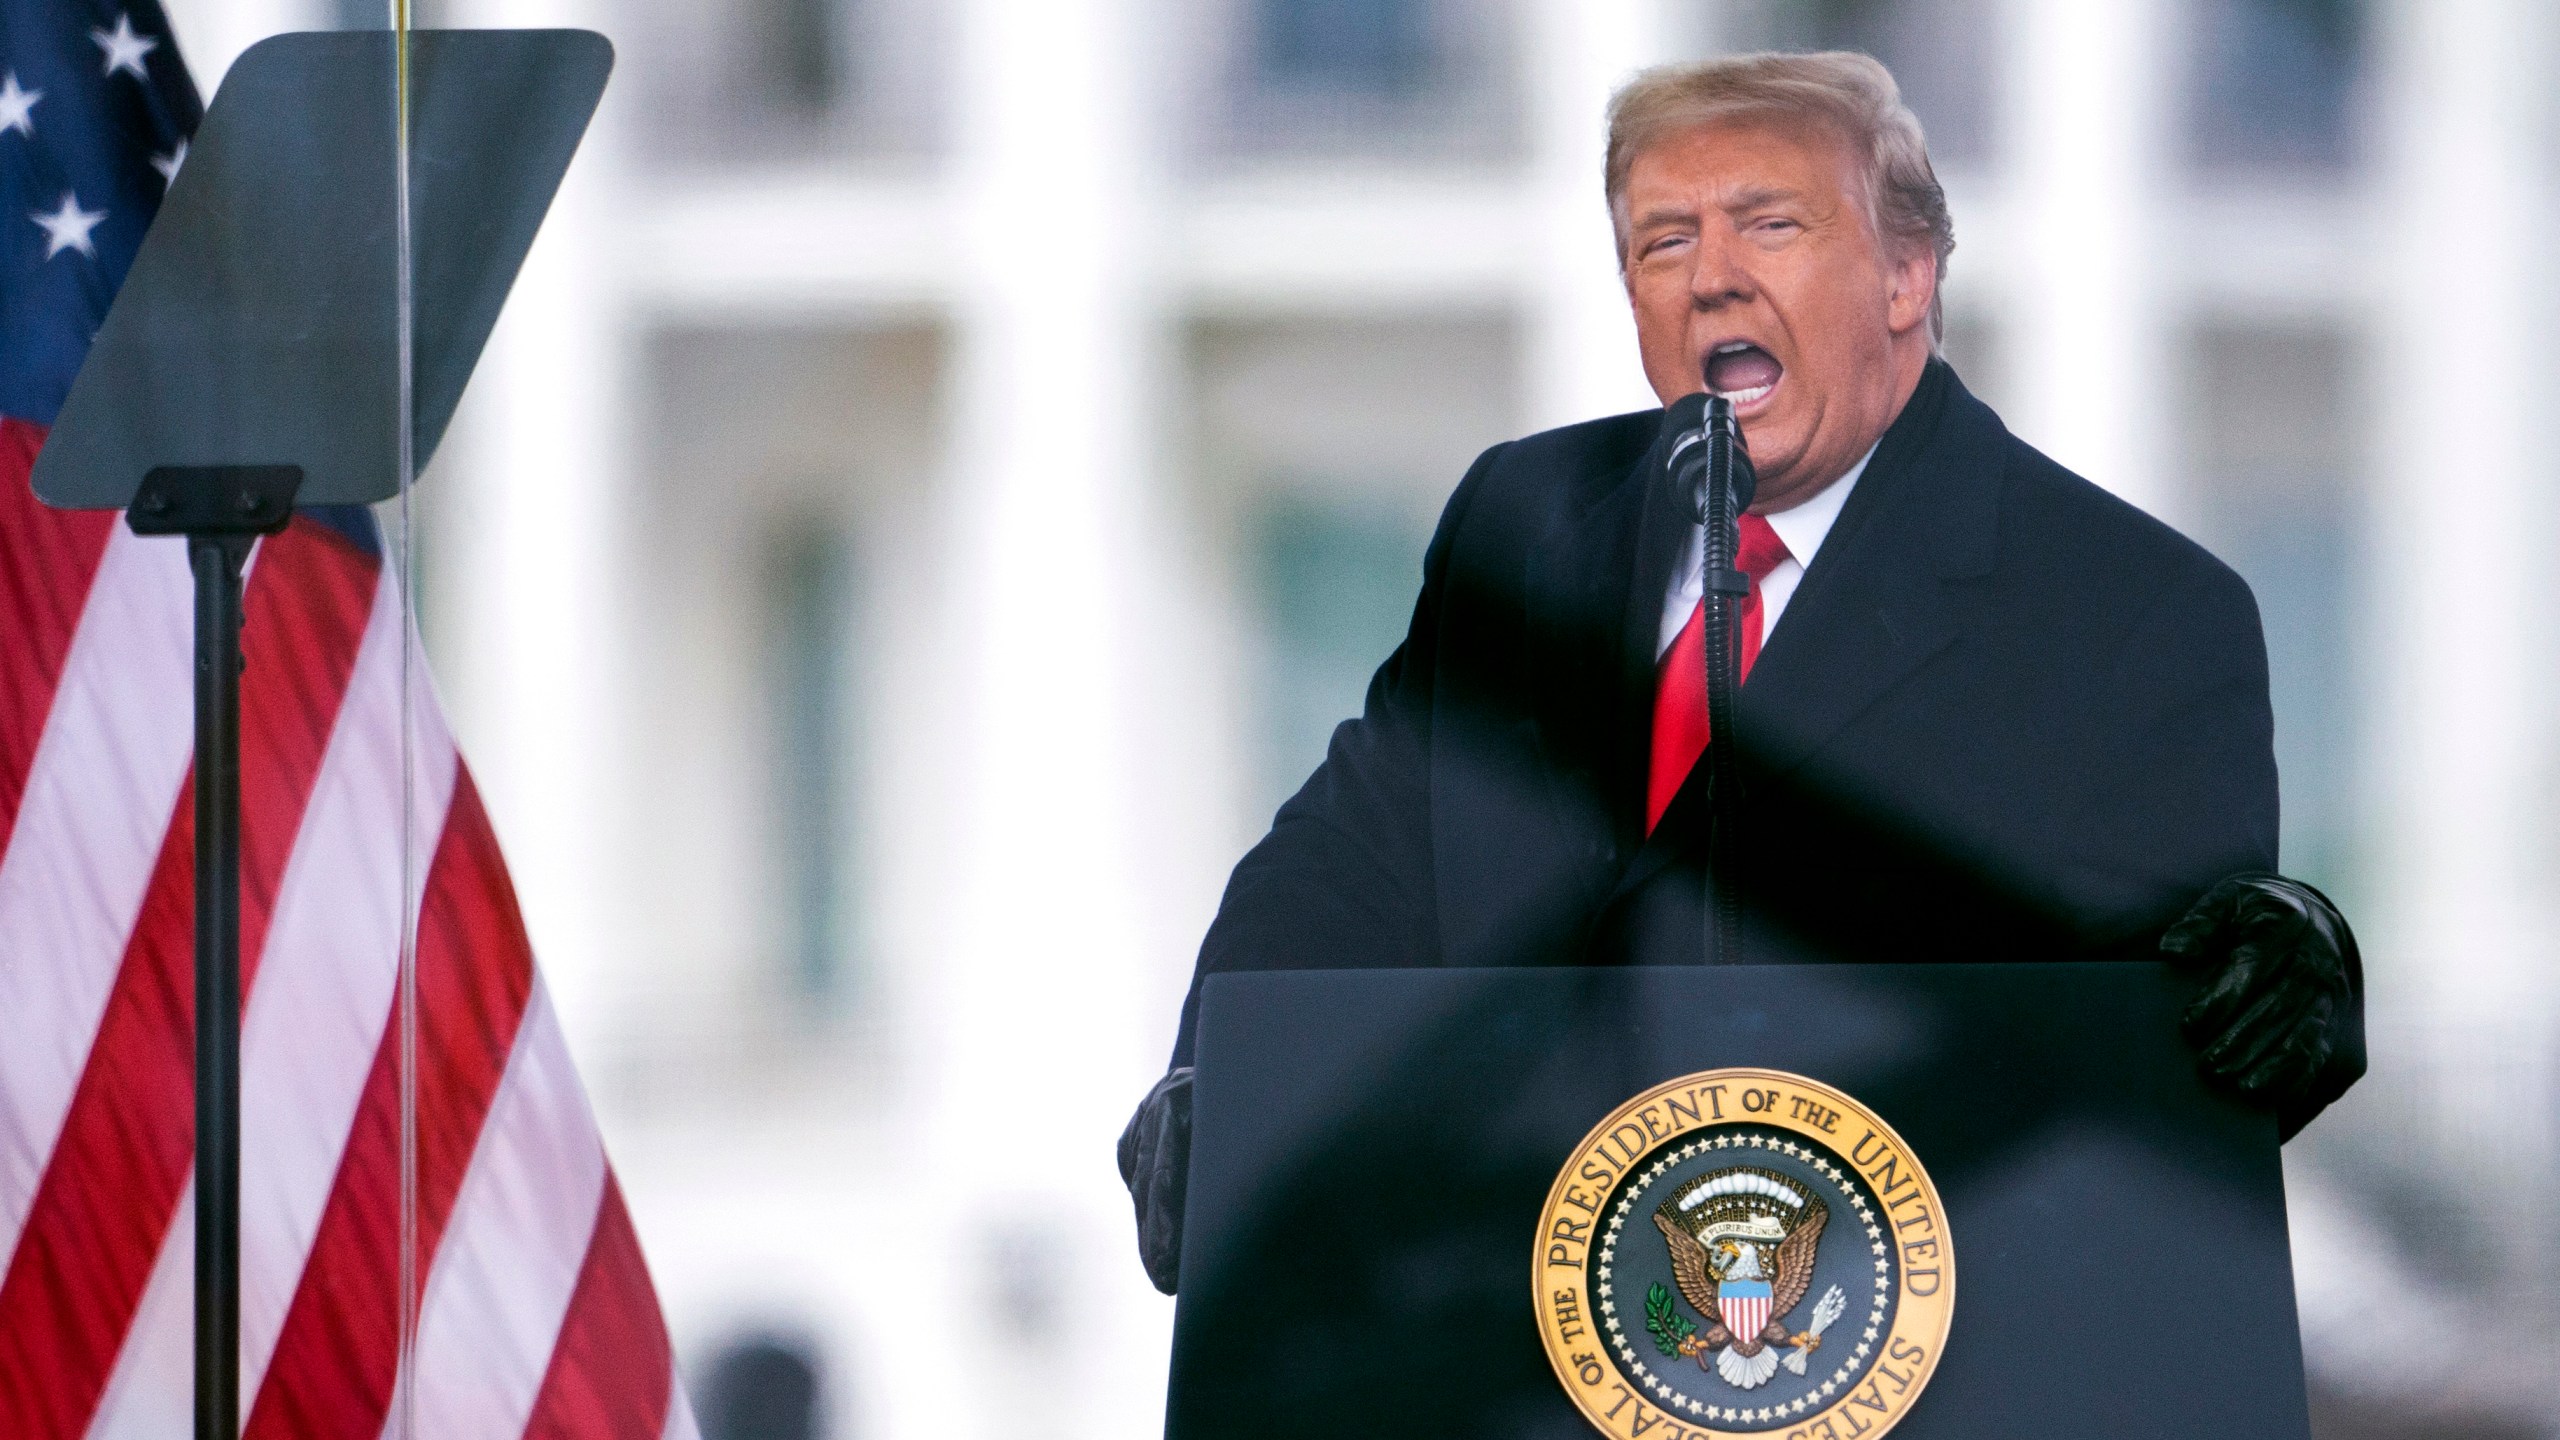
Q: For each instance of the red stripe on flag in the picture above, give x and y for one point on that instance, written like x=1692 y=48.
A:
x=108 y=1189
x=336 y=1356
x=128 y=1141
x=47 y=559
x=612 y=1373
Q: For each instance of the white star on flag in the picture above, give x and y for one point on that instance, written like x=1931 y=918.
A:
x=168 y=164
x=123 y=48
x=18 y=107
x=68 y=228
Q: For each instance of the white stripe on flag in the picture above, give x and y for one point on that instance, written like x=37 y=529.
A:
x=99 y=795
x=512 y=1253
x=326 y=986
x=151 y=1394
x=316 y=1015
x=680 y=1424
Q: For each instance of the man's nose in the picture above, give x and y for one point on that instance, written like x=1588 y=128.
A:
x=1719 y=277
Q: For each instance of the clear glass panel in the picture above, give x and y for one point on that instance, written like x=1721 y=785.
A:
x=939 y=478
x=1129 y=373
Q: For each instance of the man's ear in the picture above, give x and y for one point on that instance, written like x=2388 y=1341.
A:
x=1915 y=289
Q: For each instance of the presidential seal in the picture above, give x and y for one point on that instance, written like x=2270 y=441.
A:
x=1743 y=1252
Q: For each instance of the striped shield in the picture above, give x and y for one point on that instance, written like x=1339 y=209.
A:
x=1745 y=1306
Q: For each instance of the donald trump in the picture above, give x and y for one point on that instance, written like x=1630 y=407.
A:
x=1988 y=711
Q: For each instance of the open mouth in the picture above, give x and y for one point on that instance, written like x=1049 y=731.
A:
x=1742 y=372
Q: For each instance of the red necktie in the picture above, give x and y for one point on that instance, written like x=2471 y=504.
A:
x=1680 y=685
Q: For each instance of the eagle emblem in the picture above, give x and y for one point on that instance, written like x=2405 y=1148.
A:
x=1769 y=1194
x=1742 y=1244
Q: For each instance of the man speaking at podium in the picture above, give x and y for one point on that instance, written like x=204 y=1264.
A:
x=1989 y=711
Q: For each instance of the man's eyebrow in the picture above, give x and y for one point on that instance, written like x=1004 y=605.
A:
x=1665 y=215
x=1757 y=196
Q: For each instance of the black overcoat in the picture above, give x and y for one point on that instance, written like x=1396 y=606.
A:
x=2005 y=716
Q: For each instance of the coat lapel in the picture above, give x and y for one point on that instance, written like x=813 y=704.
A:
x=1662 y=531
x=1872 y=607
x=1596 y=581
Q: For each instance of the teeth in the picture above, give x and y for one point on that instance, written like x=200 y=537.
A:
x=1730 y=346
x=1745 y=397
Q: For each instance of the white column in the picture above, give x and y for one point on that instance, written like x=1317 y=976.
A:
x=1033 y=1037
x=1581 y=344
x=2457 y=394
x=2088 y=90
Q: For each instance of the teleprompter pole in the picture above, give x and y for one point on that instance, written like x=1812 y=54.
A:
x=221 y=510
x=217 y=560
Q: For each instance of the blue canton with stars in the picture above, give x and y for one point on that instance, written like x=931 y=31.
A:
x=95 y=110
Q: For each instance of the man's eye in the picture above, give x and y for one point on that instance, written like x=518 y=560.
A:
x=1775 y=225
x=1666 y=244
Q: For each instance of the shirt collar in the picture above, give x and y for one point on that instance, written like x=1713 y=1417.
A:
x=1802 y=527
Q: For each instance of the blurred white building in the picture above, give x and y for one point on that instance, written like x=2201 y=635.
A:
x=950 y=462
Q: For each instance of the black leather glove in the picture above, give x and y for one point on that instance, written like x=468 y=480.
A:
x=2281 y=979
x=1155 y=1163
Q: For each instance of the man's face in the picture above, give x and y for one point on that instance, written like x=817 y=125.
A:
x=1756 y=273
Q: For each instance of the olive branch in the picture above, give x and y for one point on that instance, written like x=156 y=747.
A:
x=1663 y=1320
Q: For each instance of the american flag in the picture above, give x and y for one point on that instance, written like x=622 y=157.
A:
x=536 y=1312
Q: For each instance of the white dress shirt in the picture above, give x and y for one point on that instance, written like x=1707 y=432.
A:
x=1801 y=528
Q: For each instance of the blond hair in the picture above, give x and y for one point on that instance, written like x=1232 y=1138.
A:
x=1850 y=94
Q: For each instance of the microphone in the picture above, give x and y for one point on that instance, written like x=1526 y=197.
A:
x=1724 y=430
x=1706 y=432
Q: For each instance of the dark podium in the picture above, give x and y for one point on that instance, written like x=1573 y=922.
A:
x=1372 y=1149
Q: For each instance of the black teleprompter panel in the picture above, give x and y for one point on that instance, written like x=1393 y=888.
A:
x=260 y=324
x=1371 y=1149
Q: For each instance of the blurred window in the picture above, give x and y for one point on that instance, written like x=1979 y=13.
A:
x=1943 y=53
x=762 y=1387
x=785 y=466
x=1394 y=79
x=809 y=601
x=786 y=79
x=1357 y=47
x=799 y=53
x=2274 y=84
x=2278 y=503
x=1337 y=585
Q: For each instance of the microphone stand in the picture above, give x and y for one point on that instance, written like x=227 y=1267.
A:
x=1714 y=466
